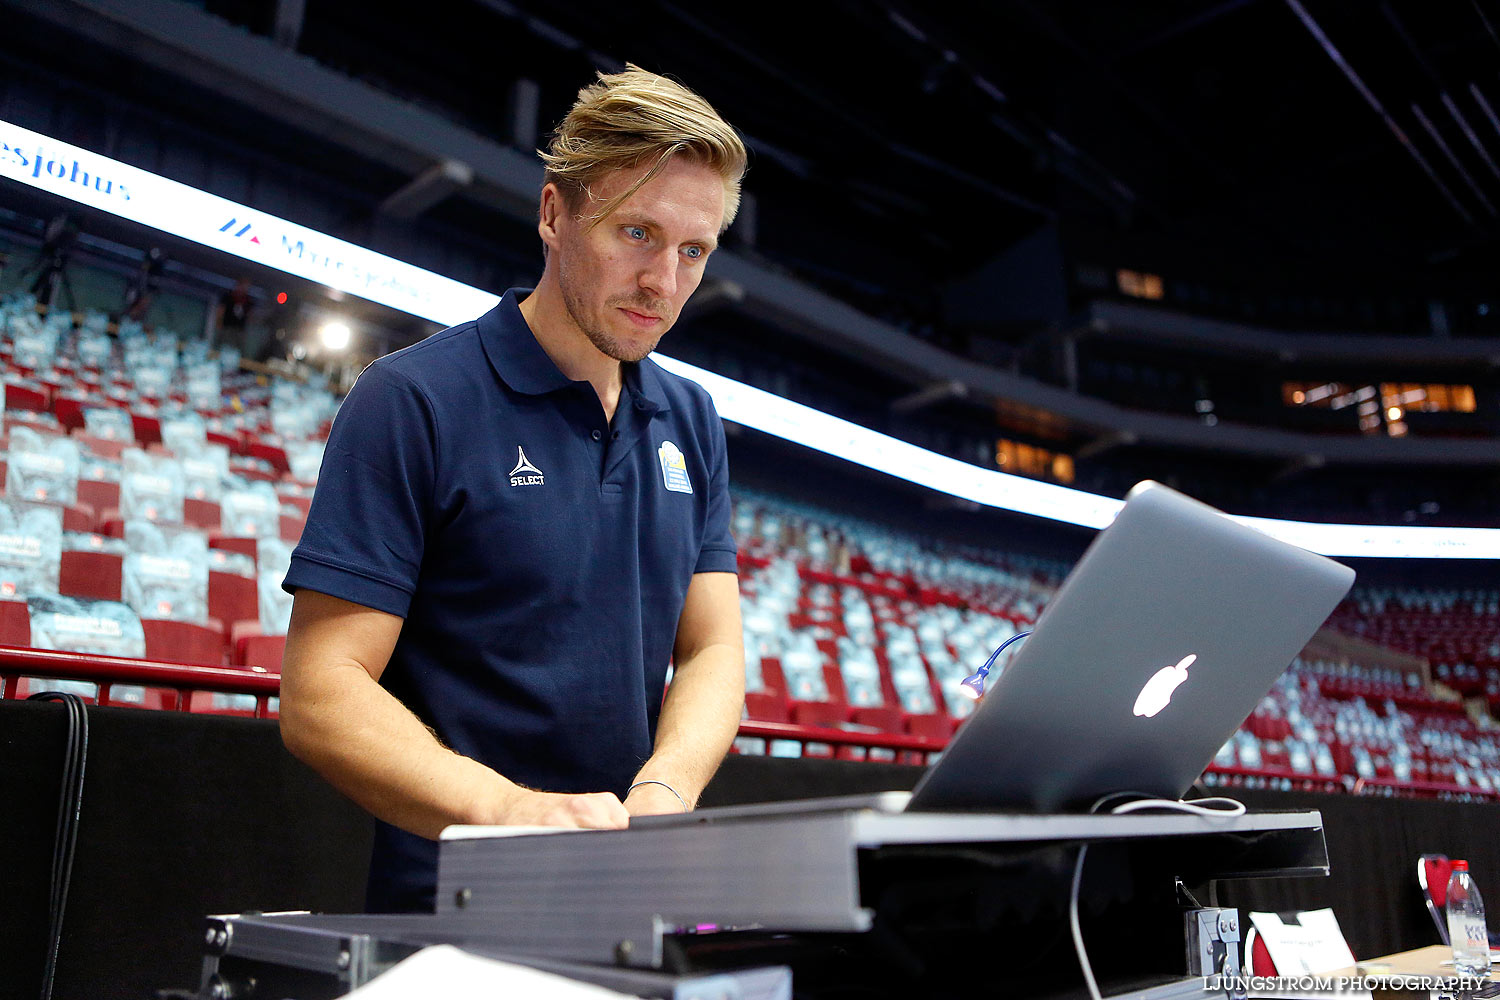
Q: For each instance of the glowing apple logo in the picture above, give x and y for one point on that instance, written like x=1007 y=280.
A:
x=1158 y=690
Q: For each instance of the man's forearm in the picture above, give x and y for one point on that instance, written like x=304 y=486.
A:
x=337 y=718
x=373 y=749
x=698 y=720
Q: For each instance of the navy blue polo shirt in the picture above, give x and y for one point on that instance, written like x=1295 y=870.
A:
x=538 y=553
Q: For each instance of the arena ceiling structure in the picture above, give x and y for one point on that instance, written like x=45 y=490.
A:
x=1353 y=136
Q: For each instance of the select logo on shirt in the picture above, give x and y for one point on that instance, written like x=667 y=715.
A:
x=525 y=474
x=674 y=468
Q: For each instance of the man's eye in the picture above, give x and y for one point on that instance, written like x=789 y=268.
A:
x=635 y=232
x=693 y=252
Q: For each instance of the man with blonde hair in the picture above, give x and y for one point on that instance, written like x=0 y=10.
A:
x=522 y=519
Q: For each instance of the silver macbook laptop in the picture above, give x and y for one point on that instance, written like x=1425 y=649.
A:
x=1164 y=637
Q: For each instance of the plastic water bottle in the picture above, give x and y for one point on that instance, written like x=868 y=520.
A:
x=1466 y=928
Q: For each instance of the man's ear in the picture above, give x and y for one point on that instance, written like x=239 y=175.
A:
x=550 y=214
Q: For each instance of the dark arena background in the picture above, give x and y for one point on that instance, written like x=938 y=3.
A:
x=995 y=264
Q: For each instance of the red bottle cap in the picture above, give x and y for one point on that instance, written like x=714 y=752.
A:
x=1460 y=865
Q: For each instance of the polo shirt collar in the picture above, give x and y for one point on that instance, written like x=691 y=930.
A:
x=513 y=350
x=519 y=360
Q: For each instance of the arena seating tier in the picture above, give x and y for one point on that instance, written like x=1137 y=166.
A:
x=851 y=626
x=856 y=635
x=152 y=493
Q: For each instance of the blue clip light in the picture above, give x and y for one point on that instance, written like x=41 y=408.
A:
x=973 y=685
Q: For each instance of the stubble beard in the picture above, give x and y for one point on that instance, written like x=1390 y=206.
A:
x=604 y=342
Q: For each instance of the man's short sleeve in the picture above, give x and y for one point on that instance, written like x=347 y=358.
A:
x=364 y=536
x=717 y=554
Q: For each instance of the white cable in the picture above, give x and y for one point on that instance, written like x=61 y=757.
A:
x=1224 y=807
x=1198 y=807
x=1083 y=955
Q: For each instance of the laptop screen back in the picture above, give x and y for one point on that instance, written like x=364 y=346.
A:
x=1173 y=590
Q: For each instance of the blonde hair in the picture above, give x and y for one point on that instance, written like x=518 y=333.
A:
x=632 y=117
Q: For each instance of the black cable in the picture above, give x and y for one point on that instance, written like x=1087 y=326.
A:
x=69 y=809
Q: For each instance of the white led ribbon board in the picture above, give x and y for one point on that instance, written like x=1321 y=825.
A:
x=79 y=175
x=186 y=212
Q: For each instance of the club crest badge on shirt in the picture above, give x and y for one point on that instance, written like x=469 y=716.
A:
x=674 y=468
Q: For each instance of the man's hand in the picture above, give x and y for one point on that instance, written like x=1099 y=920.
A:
x=336 y=717
x=594 y=810
x=651 y=800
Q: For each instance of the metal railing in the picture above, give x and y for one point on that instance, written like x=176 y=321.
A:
x=845 y=744
x=178 y=679
x=181 y=681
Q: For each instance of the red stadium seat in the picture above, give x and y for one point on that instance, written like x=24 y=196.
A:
x=147 y=429
x=275 y=454
x=99 y=495
x=260 y=651
x=205 y=514
x=184 y=642
x=932 y=727
x=233 y=543
x=254 y=474
x=302 y=503
x=887 y=720
x=69 y=412
x=11 y=423
x=78 y=517
x=817 y=713
x=15 y=624
x=92 y=575
x=232 y=598
x=764 y=706
x=833 y=680
x=102 y=447
x=236 y=445
x=20 y=397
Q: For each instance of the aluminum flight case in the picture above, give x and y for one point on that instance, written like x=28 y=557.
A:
x=586 y=895
x=311 y=957
x=895 y=904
